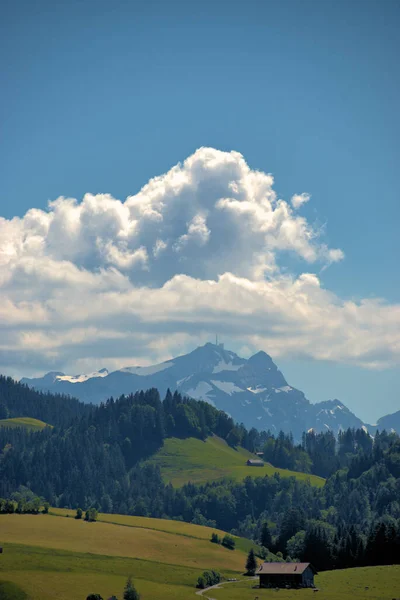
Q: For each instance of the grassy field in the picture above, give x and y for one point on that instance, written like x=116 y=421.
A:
x=197 y=461
x=51 y=557
x=54 y=557
x=10 y=591
x=167 y=526
x=27 y=422
x=367 y=583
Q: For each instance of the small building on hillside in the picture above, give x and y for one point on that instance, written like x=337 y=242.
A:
x=294 y=575
x=260 y=454
x=255 y=463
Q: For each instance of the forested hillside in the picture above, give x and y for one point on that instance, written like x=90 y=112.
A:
x=100 y=460
x=18 y=400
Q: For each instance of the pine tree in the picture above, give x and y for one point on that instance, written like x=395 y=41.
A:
x=292 y=522
x=265 y=537
x=251 y=563
x=130 y=592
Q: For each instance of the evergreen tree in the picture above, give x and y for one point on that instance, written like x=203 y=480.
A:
x=292 y=522
x=317 y=547
x=265 y=537
x=251 y=563
x=233 y=438
x=130 y=592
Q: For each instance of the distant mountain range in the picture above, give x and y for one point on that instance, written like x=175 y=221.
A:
x=252 y=391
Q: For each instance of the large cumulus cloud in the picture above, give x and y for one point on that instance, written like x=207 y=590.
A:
x=197 y=249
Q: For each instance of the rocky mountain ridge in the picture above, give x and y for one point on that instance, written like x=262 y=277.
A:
x=253 y=391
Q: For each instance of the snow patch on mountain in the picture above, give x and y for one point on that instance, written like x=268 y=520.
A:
x=286 y=388
x=227 y=386
x=201 y=392
x=257 y=390
x=151 y=370
x=81 y=378
x=225 y=366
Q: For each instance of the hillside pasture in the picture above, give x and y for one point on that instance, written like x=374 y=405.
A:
x=191 y=459
x=41 y=574
x=366 y=583
x=11 y=591
x=52 y=556
x=25 y=422
x=105 y=538
x=164 y=525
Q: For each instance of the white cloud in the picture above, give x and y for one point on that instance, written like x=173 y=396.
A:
x=299 y=199
x=158 y=247
x=197 y=232
x=103 y=282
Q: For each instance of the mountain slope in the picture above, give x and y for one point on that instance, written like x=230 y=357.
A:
x=197 y=461
x=50 y=556
x=389 y=422
x=18 y=400
x=252 y=391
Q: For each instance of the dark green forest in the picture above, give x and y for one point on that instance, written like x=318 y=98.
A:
x=95 y=457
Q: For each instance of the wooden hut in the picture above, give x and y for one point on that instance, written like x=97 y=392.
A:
x=282 y=574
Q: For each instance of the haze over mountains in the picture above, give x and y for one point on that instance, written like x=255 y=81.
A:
x=252 y=391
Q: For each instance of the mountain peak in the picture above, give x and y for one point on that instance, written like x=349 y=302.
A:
x=213 y=351
x=262 y=360
x=211 y=358
x=252 y=391
x=215 y=347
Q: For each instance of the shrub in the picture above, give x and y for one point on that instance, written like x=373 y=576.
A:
x=91 y=515
x=201 y=582
x=208 y=578
x=215 y=538
x=229 y=542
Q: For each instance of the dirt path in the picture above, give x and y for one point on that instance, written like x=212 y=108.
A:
x=204 y=592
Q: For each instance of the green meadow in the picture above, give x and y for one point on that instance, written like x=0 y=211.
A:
x=11 y=591
x=164 y=525
x=366 y=583
x=54 y=557
x=183 y=460
x=26 y=422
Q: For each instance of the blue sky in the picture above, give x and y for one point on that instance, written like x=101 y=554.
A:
x=100 y=97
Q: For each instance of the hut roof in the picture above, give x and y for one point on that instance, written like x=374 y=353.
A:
x=277 y=568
